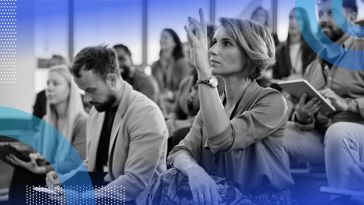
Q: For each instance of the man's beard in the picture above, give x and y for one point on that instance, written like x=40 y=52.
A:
x=101 y=107
x=125 y=72
x=333 y=35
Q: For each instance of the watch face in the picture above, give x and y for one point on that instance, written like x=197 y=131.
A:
x=213 y=81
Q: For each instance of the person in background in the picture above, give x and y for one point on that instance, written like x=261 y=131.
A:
x=134 y=75
x=39 y=107
x=294 y=55
x=66 y=113
x=234 y=150
x=170 y=69
x=342 y=86
x=257 y=13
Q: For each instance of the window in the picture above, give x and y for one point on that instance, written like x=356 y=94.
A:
x=170 y=14
x=109 y=22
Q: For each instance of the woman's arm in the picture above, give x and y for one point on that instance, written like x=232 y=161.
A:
x=214 y=116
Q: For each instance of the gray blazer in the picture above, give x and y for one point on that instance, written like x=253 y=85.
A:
x=138 y=143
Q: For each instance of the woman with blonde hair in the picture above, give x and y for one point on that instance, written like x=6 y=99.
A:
x=64 y=127
x=234 y=151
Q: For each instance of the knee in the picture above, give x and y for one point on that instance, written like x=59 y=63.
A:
x=336 y=133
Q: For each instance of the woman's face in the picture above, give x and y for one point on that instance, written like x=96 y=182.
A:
x=57 y=88
x=260 y=16
x=295 y=20
x=226 y=57
x=166 y=41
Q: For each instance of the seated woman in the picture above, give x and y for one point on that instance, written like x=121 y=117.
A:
x=235 y=144
x=66 y=113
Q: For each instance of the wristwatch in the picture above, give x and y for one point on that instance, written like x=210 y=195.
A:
x=211 y=81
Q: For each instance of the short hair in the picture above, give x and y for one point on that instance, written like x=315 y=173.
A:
x=349 y=4
x=255 y=41
x=124 y=47
x=100 y=59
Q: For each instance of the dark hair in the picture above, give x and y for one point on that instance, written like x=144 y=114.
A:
x=178 y=50
x=124 y=47
x=255 y=12
x=349 y=4
x=100 y=59
x=306 y=27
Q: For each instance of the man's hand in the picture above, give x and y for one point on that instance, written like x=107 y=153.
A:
x=338 y=102
x=305 y=111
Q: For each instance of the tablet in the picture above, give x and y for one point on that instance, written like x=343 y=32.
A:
x=7 y=149
x=296 y=88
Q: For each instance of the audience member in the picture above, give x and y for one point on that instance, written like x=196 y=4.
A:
x=237 y=138
x=66 y=113
x=294 y=55
x=170 y=69
x=344 y=87
x=134 y=75
x=39 y=107
x=127 y=134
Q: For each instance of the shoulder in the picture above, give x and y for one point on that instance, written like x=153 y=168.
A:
x=142 y=105
x=81 y=119
x=142 y=76
x=80 y=123
x=313 y=66
x=143 y=113
x=271 y=98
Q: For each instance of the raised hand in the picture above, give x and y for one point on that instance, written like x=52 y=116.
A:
x=199 y=45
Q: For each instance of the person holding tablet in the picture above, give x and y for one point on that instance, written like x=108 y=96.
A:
x=344 y=87
x=66 y=113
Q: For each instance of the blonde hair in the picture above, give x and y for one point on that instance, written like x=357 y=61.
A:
x=51 y=146
x=256 y=42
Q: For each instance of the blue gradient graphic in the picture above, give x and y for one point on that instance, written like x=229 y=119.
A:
x=351 y=59
x=36 y=143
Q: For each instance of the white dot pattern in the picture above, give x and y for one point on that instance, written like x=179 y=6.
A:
x=8 y=38
x=110 y=195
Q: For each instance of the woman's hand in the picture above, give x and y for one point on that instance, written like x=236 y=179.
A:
x=52 y=179
x=31 y=166
x=338 y=102
x=199 y=45
x=203 y=187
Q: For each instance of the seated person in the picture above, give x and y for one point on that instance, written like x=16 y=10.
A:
x=237 y=140
x=344 y=87
x=135 y=76
x=66 y=113
x=344 y=156
x=127 y=133
x=171 y=68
